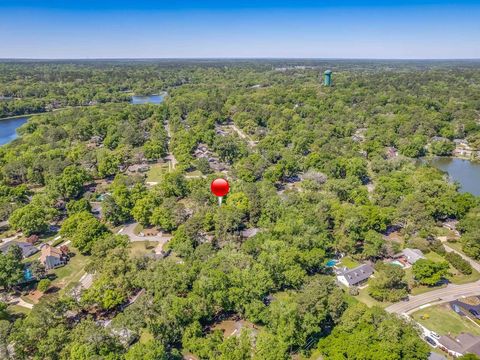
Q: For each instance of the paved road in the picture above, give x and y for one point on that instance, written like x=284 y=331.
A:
x=128 y=230
x=472 y=262
x=447 y=294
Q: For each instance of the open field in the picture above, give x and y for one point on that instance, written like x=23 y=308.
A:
x=139 y=248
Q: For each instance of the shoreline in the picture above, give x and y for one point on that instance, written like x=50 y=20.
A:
x=163 y=94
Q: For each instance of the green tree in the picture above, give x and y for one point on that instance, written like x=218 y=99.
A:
x=83 y=229
x=428 y=272
x=151 y=350
x=11 y=267
x=76 y=206
x=388 y=284
x=70 y=183
x=43 y=285
x=31 y=219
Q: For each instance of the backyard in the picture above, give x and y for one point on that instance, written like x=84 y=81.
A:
x=156 y=171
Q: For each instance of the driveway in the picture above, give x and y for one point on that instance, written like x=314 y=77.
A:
x=160 y=238
x=472 y=262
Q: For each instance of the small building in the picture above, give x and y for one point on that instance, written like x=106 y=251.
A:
x=355 y=276
x=248 y=233
x=27 y=249
x=52 y=257
x=412 y=255
x=464 y=344
x=138 y=168
x=391 y=152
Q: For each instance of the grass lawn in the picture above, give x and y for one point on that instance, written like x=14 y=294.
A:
x=16 y=309
x=156 y=171
x=348 y=262
x=195 y=173
x=443 y=320
x=456 y=245
x=365 y=298
x=72 y=272
x=434 y=257
x=140 y=248
x=458 y=278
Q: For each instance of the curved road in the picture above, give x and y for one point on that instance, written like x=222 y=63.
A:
x=449 y=293
x=446 y=294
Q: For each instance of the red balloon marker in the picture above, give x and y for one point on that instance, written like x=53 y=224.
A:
x=220 y=187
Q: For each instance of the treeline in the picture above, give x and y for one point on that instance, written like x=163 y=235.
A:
x=315 y=181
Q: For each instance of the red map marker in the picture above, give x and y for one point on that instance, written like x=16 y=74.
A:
x=219 y=187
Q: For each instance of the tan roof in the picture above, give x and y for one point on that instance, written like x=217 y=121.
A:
x=48 y=250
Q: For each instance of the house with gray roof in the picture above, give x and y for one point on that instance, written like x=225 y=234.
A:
x=464 y=344
x=355 y=276
x=27 y=248
x=411 y=255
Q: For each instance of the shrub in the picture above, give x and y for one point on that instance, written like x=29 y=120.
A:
x=459 y=263
x=43 y=285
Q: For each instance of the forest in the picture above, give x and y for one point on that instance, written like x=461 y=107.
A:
x=316 y=173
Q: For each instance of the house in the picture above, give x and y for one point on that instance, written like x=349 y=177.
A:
x=410 y=256
x=27 y=249
x=248 y=233
x=138 y=168
x=464 y=344
x=391 y=153
x=355 y=276
x=52 y=257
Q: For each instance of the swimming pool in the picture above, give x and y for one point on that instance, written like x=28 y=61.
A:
x=331 y=263
x=398 y=263
x=27 y=274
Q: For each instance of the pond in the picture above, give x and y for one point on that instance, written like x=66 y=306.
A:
x=465 y=172
x=8 y=129
x=149 y=99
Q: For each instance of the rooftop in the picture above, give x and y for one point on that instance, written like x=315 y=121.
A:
x=358 y=274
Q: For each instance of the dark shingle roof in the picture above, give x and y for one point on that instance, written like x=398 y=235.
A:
x=358 y=274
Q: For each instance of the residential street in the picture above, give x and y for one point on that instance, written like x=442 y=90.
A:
x=449 y=293
x=129 y=231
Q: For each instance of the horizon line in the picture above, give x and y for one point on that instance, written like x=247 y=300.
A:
x=239 y=58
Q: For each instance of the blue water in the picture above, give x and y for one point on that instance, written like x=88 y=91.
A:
x=27 y=274
x=150 y=99
x=331 y=263
x=467 y=173
x=8 y=129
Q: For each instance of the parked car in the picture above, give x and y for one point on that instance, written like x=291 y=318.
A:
x=434 y=335
x=431 y=341
x=474 y=313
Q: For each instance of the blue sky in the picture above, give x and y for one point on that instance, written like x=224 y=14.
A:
x=243 y=28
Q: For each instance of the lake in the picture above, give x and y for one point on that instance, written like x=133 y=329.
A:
x=8 y=129
x=150 y=99
x=465 y=172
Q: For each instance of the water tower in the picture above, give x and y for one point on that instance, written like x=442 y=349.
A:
x=327 y=78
